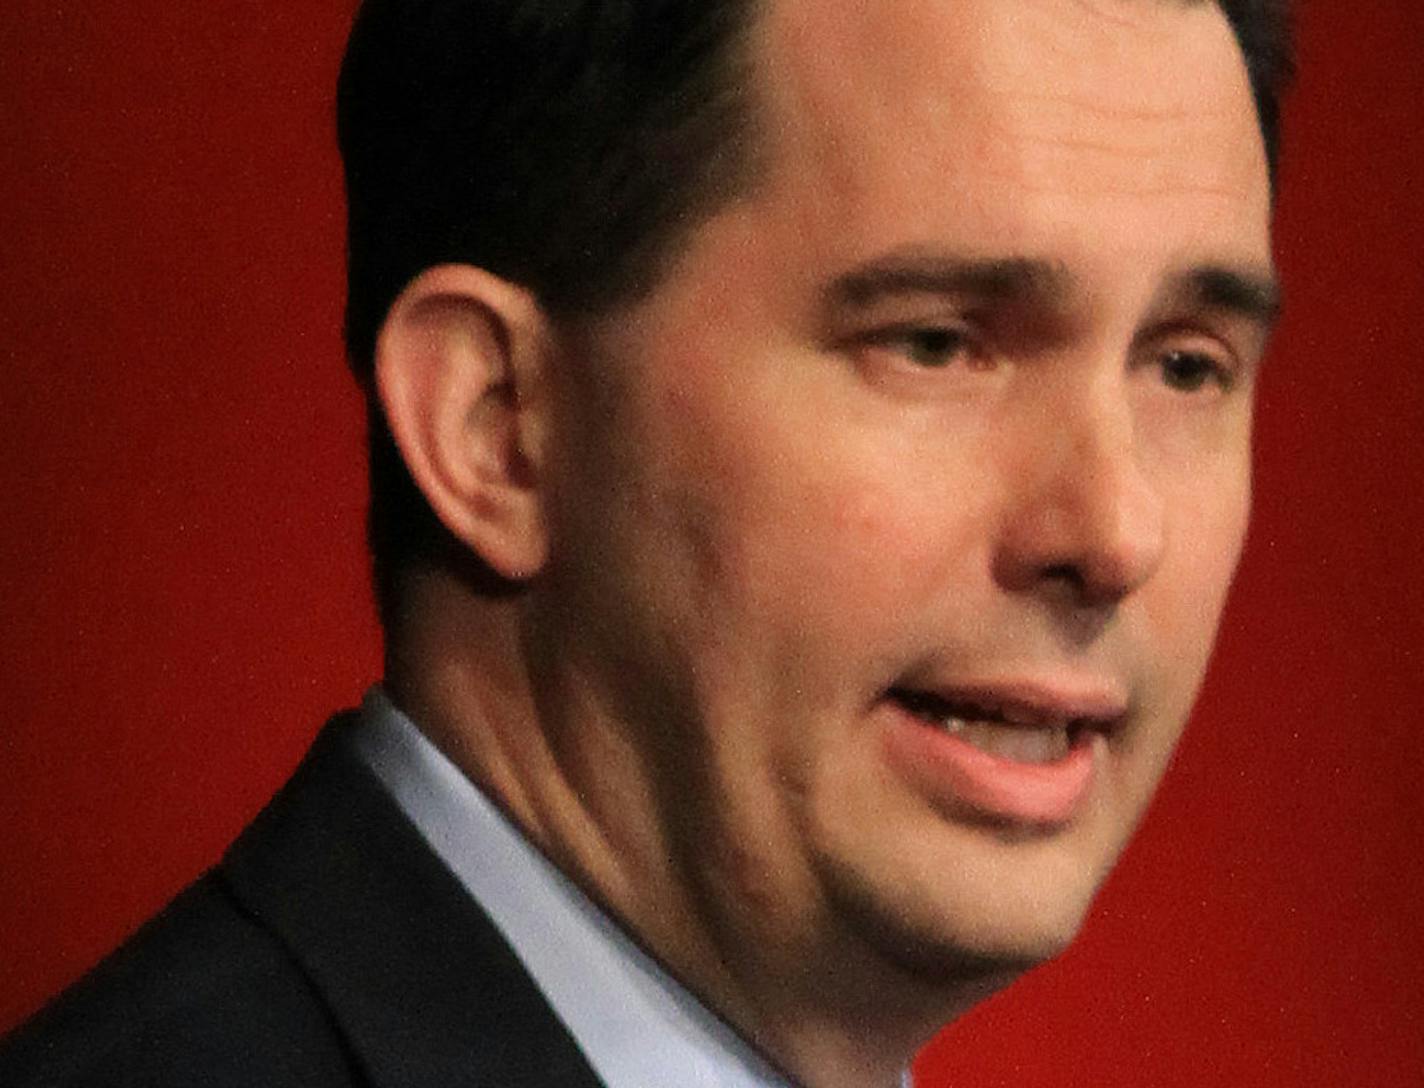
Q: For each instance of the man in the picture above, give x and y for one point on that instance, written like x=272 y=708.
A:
x=810 y=455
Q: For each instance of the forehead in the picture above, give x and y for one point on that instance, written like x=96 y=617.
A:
x=1012 y=120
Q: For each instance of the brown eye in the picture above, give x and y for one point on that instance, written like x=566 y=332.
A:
x=929 y=347
x=1191 y=371
x=934 y=347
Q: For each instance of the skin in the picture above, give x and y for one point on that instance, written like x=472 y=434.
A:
x=821 y=460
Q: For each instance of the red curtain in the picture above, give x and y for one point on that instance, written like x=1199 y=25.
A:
x=184 y=581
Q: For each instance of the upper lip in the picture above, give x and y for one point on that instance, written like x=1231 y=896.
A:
x=1031 y=701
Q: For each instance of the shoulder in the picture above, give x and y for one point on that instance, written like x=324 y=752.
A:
x=202 y=995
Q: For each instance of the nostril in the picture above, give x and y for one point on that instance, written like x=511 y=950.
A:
x=1088 y=533
x=1064 y=572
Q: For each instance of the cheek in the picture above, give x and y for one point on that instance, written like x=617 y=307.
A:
x=828 y=536
x=803 y=513
x=1185 y=602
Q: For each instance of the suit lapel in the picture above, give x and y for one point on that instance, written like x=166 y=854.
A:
x=420 y=983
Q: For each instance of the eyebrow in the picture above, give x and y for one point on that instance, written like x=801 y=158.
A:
x=999 y=279
x=1247 y=292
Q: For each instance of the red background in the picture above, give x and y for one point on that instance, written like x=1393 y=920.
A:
x=184 y=585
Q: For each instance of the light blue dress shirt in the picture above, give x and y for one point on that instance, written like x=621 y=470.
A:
x=636 y=1025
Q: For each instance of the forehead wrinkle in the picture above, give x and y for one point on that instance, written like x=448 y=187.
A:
x=1060 y=47
x=1041 y=127
x=1082 y=122
x=1109 y=111
x=1122 y=18
x=918 y=128
x=1043 y=141
x=949 y=72
x=1128 y=14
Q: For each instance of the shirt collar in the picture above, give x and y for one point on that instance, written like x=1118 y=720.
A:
x=634 y=1022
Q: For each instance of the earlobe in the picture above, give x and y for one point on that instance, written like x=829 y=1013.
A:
x=458 y=370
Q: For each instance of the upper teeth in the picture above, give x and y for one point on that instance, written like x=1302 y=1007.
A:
x=1012 y=731
x=1018 y=716
x=955 y=722
x=1042 y=744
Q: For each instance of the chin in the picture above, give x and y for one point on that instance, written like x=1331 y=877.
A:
x=974 y=950
x=985 y=914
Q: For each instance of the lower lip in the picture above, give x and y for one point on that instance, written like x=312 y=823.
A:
x=958 y=776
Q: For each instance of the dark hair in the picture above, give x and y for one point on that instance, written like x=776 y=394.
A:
x=1263 y=31
x=565 y=145
x=568 y=146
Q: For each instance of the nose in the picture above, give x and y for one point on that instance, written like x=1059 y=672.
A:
x=1087 y=525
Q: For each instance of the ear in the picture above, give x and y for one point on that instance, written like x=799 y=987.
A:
x=459 y=372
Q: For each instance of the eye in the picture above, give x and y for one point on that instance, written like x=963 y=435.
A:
x=928 y=347
x=1191 y=371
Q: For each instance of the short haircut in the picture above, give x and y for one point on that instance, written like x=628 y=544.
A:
x=568 y=146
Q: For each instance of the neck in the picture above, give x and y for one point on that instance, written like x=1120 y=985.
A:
x=547 y=748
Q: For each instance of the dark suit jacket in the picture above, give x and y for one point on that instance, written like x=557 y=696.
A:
x=329 y=947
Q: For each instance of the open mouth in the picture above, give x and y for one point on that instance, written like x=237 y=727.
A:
x=1020 y=752
x=1007 y=729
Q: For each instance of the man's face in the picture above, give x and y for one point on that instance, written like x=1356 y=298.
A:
x=894 y=528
